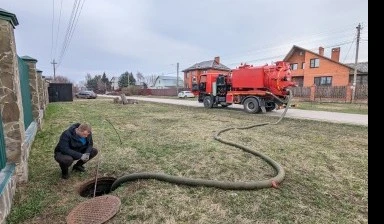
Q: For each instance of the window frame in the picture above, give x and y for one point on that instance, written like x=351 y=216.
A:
x=323 y=80
x=313 y=64
x=294 y=66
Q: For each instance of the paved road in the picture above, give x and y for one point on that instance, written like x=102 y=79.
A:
x=355 y=119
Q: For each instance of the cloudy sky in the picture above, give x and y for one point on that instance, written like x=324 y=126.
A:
x=152 y=36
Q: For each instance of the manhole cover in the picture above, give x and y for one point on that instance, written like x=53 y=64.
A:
x=94 y=211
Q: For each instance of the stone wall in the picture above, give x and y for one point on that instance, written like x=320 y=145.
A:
x=10 y=108
x=10 y=93
x=18 y=141
x=7 y=189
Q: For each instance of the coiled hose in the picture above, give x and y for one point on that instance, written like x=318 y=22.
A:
x=227 y=185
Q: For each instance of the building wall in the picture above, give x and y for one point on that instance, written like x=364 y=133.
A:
x=338 y=72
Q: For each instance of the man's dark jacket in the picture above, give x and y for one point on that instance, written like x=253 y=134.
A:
x=70 y=144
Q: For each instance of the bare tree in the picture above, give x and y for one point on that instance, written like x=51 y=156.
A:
x=140 y=77
x=101 y=86
x=61 y=79
x=150 y=80
x=76 y=88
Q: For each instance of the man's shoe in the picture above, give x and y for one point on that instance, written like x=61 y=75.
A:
x=65 y=176
x=79 y=168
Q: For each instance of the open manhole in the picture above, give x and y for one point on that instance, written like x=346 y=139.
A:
x=103 y=186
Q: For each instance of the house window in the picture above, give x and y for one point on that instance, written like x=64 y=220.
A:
x=360 y=79
x=299 y=80
x=323 y=81
x=294 y=66
x=314 y=63
x=303 y=65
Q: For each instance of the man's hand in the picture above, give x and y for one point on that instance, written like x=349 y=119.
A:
x=85 y=157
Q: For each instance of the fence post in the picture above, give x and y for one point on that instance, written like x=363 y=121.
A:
x=41 y=92
x=12 y=117
x=46 y=84
x=39 y=81
x=34 y=87
x=313 y=92
x=10 y=96
x=348 y=94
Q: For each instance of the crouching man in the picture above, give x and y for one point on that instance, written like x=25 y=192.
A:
x=75 y=143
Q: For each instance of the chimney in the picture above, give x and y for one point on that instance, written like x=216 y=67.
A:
x=321 y=51
x=335 y=54
x=217 y=59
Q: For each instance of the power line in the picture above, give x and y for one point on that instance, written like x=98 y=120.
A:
x=53 y=22
x=311 y=38
x=71 y=28
x=350 y=46
x=58 y=27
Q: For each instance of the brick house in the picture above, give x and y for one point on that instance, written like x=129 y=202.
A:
x=309 y=68
x=192 y=74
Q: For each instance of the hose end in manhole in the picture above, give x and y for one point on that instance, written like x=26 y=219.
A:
x=103 y=186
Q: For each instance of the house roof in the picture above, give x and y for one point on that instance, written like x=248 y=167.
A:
x=167 y=77
x=319 y=55
x=361 y=66
x=212 y=64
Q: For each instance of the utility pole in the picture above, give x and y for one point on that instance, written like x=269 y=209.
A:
x=177 y=78
x=356 y=58
x=54 y=69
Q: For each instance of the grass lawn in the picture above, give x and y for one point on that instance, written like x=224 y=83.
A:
x=326 y=166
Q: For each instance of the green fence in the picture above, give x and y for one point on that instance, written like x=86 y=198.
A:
x=25 y=93
x=3 y=157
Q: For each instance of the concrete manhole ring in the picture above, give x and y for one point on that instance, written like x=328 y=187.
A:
x=94 y=211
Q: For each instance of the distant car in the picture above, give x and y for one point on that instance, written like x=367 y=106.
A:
x=185 y=94
x=87 y=94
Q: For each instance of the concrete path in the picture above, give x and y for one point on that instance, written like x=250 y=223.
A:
x=355 y=119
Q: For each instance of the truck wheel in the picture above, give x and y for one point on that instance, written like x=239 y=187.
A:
x=251 y=105
x=208 y=102
x=271 y=107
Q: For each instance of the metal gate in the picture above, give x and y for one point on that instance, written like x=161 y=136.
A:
x=25 y=92
x=3 y=157
x=59 y=92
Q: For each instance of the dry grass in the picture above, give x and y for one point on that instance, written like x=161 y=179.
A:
x=326 y=166
x=353 y=108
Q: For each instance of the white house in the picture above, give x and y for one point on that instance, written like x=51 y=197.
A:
x=165 y=82
x=114 y=83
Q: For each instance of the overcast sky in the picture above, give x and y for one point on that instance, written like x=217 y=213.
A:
x=151 y=36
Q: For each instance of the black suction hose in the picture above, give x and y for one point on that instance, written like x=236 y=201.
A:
x=227 y=185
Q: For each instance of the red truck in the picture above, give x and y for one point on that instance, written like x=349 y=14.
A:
x=258 y=88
